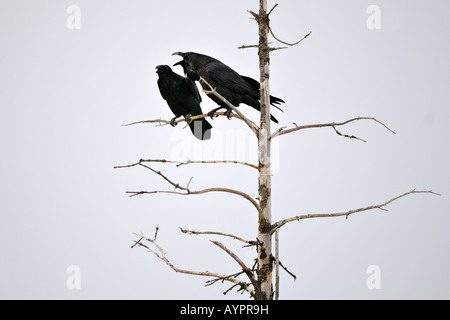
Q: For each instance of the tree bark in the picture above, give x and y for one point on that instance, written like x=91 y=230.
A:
x=265 y=265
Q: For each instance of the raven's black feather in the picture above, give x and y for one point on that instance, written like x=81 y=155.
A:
x=183 y=98
x=232 y=86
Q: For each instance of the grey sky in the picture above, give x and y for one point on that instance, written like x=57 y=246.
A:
x=64 y=95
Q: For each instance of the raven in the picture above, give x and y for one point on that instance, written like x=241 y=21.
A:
x=183 y=98
x=235 y=88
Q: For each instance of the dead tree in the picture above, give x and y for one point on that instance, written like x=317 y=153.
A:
x=259 y=276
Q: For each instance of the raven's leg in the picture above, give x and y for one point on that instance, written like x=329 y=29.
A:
x=172 y=121
x=211 y=113
x=188 y=118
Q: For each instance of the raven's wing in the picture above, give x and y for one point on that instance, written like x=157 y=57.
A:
x=163 y=89
x=223 y=75
x=193 y=89
x=168 y=85
x=190 y=96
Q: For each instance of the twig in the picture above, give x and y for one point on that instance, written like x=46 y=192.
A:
x=189 y=183
x=381 y=206
x=250 y=242
x=212 y=281
x=243 y=287
x=156 y=234
x=347 y=136
x=213 y=91
x=137 y=243
x=287 y=270
x=229 y=289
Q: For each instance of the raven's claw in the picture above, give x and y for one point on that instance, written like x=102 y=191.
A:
x=228 y=113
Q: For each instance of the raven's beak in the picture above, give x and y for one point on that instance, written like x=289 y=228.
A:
x=158 y=69
x=181 y=54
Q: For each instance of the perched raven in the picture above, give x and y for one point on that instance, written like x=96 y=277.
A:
x=235 y=88
x=183 y=98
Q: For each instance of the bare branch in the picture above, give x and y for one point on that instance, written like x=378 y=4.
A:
x=162 y=256
x=282 y=131
x=162 y=122
x=183 y=163
x=218 y=161
x=175 y=185
x=248 y=46
x=159 y=121
x=246 y=270
x=273 y=8
x=190 y=192
x=278 y=48
x=255 y=15
x=208 y=190
x=381 y=206
x=258 y=17
x=213 y=91
x=286 y=43
x=252 y=243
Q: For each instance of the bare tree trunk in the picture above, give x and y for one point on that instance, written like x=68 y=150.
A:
x=265 y=265
x=277 y=265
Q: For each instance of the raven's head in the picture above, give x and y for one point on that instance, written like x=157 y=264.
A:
x=189 y=64
x=163 y=69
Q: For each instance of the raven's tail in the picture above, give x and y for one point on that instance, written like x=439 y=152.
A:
x=256 y=105
x=274 y=101
x=201 y=129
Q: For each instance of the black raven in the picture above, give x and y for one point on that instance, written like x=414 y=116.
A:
x=235 y=88
x=183 y=98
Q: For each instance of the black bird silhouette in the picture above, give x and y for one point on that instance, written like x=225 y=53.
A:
x=232 y=86
x=183 y=98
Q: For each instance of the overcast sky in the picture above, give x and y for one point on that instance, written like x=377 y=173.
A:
x=66 y=91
